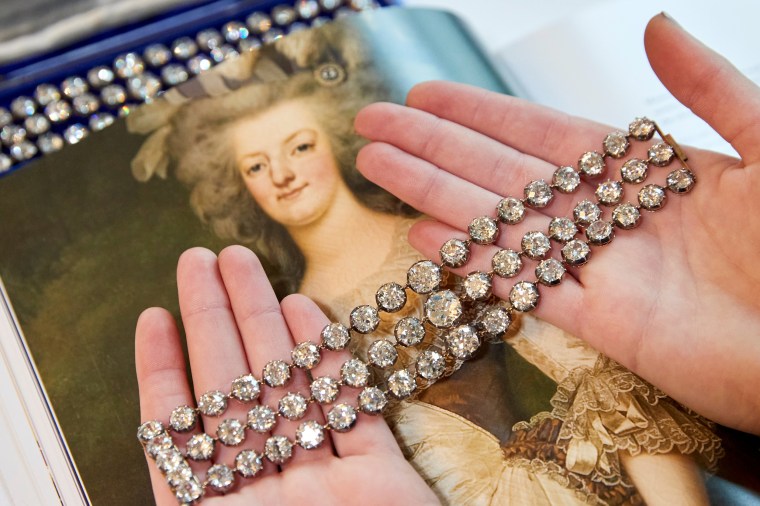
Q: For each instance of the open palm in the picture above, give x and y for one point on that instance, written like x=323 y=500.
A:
x=235 y=325
x=675 y=300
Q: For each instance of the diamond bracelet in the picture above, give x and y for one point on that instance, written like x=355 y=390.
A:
x=448 y=310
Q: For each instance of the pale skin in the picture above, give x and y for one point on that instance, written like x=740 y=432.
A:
x=691 y=269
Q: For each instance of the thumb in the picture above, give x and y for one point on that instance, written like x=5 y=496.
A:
x=706 y=83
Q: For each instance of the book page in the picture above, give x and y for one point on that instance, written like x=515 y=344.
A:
x=593 y=64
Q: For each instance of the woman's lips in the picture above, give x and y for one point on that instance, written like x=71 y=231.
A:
x=290 y=195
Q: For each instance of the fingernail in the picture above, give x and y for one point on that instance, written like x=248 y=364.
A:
x=670 y=18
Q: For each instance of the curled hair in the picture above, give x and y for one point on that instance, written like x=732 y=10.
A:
x=198 y=142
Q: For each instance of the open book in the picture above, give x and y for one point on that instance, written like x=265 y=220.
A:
x=91 y=235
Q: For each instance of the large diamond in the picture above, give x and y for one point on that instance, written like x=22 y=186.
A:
x=45 y=93
x=443 y=308
x=144 y=87
x=188 y=491
x=462 y=342
x=652 y=197
x=183 y=418
x=85 y=104
x=538 y=193
x=159 y=444
x=402 y=384
x=278 y=449
x=179 y=475
x=261 y=419
x=506 y=263
x=325 y=389
x=174 y=74
x=372 y=400
x=424 y=276
x=550 y=271
x=149 y=430
x=661 y=154
x=212 y=403
x=391 y=297
x=524 y=295
x=591 y=164
x=335 y=336
x=293 y=406
x=231 y=432
x=586 y=211
x=409 y=331
x=431 y=365
x=634 y=171
x=200 y=447
x=220 y=477
x=276 y=373
x=113 y=95
x=609 y=193
x=626 y=216
x=455 y=253
x=642 y=129
x=170 y=459
x=562 y=229
x=342 y=417
x=616 y=144
x=58 y=111
x=477 y=285
x=354 y=373
x=511 y=210
x=75 y=133
x=127 y=65
x=681 y=180
x=566 y=179
x=483 y=230
x=600 y=232
x=576 y=252
x=310 y=435
x=246 y=388
x=306 y=355
x=494 y=320
x=248 y=463
x=157 y=55
x=382 y=354
x=364 y=319
x=535 y=244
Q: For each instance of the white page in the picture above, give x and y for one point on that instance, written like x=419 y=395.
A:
x=593 y=64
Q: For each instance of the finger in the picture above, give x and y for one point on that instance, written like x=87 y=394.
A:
x=161 y=379
x=538 y=131
x=216 y=352
x=371 y=433
x=706 y=83
x=266 y=336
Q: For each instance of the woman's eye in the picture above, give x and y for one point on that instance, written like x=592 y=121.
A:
x=258 y=167
x=304 y=147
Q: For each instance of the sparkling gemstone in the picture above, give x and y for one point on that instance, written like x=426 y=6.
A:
x=293 y=406
x=455 y=252
x=74 y=86
x=231 y=432
x=235 y=31
x=98 y=122
x=586 y=212
x=283 y=15
x=12 y=134
x=245 y=388
x=259 y=22
x=261 y=419
x=169 y=459
x=443 y=308
x=272 y=35
x=24 y=150
x=46 y=93
x=401 y=384
x=634 y=171
x=681 y=180
x=430 y=365
x=174 y=74
x=550 y=271
x=506 y=263
x=22 y=106
x=276 y=373
x=49 y=142
x=324 y=389
x=562 y=229
x=128 y=65
x=209 y=38
x=535 y=244
x=200 y=447
x=382 y=353
x=179 y=475
x=330 y=4
x=58 y=111
x=364 y=319
x=372 y=400
x=391 y=297
x=113 y=95
x=538 y=193
x=278 y=449
x=462 y=342
x=626 y=216
x=409 y=331
x=660 y=154
x=511 y=210
x=609 y=193
x=220 y=477
x=212 y=403
x=600 y=232
x=307 y=9
x=100 y=76
x=310 y=435
x=642 y=129
x=616 y=144
x=159 y=444
x=306 y=355
x=223 y=52
x=566 y=179
x=150 y=430
x=477 y=285
x=157 y=55
x=144 y=87
x=5 y=163
x=483 y=230
x=249 y=44
x=494 y=320
x=199 y=64
x=184 y=48
x=85 y=104
x=75 y=133
x=576 y=252
x=524 y=296
x=183 y=418
x=342 y=417
x=248 y=463
x=424 y=276
x=5 y=116
x=354 y=373
x=652 y=197
x=335 y=336
x=188 y=491
x=591 y=164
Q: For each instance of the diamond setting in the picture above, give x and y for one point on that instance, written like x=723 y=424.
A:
x=661 y=154
x=278 y=449
x=576 y=252
x=354 y=373
x=535 y=244
x=325 y=389
x=626 y=216
x=616 y=144
x=609 y=193
x=634 y=171
x=652 y=197
x=586 y=212
x=306 y=355
x=220 y=478
x=538 y=193
x=342 y=417
x=391 y=297
x=600 y=232
x=591 y=164
x=642 y=129
x=183 y=419
x=424 y=277
x=409 y=331
x=364 y=319
x=261 y=419
x=231 y=432
x=246 y=388
x=200 y=447
x=248 y=463
x=382 y=354
x=524 y=295
x=550 y=271
x=681 y=180
x=335 y=336
x=483 y=230
x=562 y=229
x=494 y=320
x=276 y=373
x=443 y=308
x=372 y=400
x=455 y=253
x=402 y=384
x=293 y=406
x=212 y=403
x=462 y=342
x=310 y=435
x=477 y=285
x=511 y=211
x=566 y=179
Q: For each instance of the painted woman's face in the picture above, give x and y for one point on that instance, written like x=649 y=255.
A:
x=287 y=163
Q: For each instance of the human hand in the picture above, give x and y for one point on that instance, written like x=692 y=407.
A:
x=675 y=300
x=234 y=325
